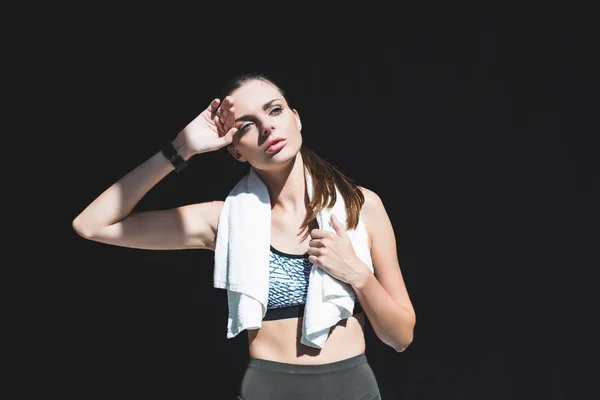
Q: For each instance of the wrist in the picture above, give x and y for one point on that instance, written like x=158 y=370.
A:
x=173 y=156
x=361 y=277
x=182 y=149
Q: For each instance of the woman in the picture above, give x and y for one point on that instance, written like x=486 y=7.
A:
x=256 y=124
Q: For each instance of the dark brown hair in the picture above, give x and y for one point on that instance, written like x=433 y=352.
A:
x=326 y=177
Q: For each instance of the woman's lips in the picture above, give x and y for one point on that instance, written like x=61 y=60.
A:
x=276 y=146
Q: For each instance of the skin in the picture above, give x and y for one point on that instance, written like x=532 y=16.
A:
x=245 y=122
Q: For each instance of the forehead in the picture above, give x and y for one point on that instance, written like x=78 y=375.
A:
x=253 y=95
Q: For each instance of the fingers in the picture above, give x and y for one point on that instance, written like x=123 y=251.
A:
x=224 y=110
x=321 y=234
x=315 y=260
x=220 y=127
x=230 y=121
x=228 y=137
x=315 y=244
x=224 y=119
x=313 y=251
x=340 y=229
x=213 y=107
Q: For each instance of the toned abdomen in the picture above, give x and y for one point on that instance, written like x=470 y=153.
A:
x=279 y=340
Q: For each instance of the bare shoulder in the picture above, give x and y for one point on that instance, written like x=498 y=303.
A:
x=373 y=207
x=374 y=216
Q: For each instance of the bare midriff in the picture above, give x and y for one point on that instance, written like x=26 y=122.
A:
x=279 y=340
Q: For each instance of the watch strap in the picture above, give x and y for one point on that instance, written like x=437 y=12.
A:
x=173 y=156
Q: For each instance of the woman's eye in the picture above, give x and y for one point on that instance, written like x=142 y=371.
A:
x=276 y=110
x=244 y=127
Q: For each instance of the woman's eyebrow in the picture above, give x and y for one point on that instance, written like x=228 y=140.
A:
x=247 y=117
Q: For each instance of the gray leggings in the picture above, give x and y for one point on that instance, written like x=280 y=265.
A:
x=349 y=379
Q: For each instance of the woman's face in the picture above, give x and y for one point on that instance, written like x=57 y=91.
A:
x=269 y=132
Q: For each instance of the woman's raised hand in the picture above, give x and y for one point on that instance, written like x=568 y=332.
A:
x=212 y=129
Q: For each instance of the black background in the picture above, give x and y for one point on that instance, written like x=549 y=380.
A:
x=474 y=123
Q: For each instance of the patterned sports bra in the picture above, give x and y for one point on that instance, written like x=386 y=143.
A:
x=288 y=284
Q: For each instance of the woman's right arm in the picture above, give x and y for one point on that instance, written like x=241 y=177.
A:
x=109 y=218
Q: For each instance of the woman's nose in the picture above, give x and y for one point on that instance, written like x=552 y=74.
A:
x=267 y=130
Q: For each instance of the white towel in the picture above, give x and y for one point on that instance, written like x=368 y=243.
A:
x=242 y=263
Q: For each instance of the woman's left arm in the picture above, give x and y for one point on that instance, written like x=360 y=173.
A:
x=383 y=295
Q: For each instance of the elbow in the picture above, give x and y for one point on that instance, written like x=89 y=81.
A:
x=407 y=336
x=400 y=340
x=400 y=347
x=81 y=229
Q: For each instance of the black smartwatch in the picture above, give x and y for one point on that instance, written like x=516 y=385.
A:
x=173 y=156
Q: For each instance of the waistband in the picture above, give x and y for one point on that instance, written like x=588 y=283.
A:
x=276 y=366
